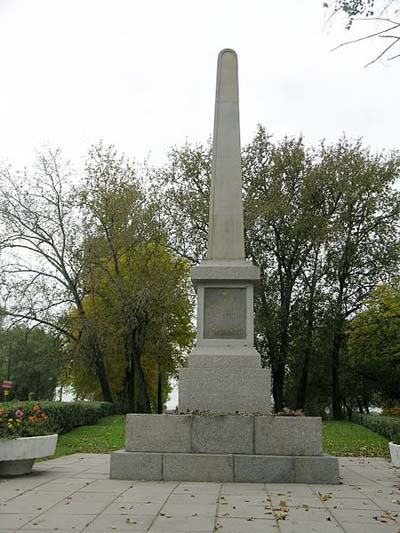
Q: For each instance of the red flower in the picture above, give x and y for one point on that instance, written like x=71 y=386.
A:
x=19 y=413
x=36 y=408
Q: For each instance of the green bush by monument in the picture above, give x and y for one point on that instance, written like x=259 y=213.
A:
x=387 y=426
x=59 y=417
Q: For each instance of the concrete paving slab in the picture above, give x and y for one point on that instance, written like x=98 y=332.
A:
x=126 y=508
x=15 y=521
x=373 y=528
x=244 y=511
x=54 y=521
x=117 y=505
x=195 y=509
x=351 y=503
x=287 y=526
x=360 y=516
x=117 y=522
x=238 y=525
x=195 y=523
x=297 y=501
x=200 y=498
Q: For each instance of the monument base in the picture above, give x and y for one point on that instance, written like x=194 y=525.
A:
x=225 y=448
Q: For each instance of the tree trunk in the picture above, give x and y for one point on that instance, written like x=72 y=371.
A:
x=336 y=399
x=278 y=378
x=142 y=403
x=159 y=392
x=359 y=405
x=280 y=367
x=130 y=387
x=302 y=390
x=101 y=371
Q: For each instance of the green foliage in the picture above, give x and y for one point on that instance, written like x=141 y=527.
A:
x=32 y=359
x=373 y=348
x=387 y=426
x=61 y=416
x=138 y=302
x=342 y=438
x=322 y=223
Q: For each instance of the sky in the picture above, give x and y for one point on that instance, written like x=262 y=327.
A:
x=141 y=75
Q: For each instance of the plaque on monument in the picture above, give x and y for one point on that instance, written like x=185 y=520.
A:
x=224 y=313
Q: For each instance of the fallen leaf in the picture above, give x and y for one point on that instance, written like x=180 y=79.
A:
x=280 y=515
x=324 y=497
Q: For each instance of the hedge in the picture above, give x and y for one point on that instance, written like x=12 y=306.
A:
x=388 y=426
x=60 y=416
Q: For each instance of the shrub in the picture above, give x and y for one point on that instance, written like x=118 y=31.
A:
x=392 y=411
x=45 y=418
x=384 y=425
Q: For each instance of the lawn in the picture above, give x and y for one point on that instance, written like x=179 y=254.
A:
x=339 y=438
x=105 y=436
x=347 y=438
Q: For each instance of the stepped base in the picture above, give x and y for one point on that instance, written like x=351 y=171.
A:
x=224 y=467
x=255 y=448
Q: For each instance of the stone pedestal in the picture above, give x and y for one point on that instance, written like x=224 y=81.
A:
x=266 y=449
x=224 y=373
x=228 y=439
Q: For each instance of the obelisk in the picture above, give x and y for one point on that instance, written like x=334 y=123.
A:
x=224 y=373
x=224 y=376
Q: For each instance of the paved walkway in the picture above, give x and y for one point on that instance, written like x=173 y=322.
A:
x=74 y=493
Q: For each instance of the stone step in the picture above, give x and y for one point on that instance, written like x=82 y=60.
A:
x=220 y=434
x=224 y=467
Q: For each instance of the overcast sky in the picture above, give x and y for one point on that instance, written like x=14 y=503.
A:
x=141 y=75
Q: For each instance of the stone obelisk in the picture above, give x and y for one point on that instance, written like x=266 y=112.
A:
x=224 y=376
x=224 y=373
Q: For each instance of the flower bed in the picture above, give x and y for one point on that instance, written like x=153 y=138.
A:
x=61 y=417
x=25 y=437
x=29 y=430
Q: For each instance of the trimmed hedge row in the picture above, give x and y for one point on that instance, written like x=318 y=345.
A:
x=388 y=426
x=61 y=416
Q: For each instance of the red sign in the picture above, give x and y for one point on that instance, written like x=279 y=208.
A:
x=7 y=384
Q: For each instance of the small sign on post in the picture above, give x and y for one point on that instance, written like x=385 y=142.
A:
x=7 y=384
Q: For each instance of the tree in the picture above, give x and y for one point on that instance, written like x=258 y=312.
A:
x=384 y=14
x=362 y=248
x=31 y=359
x=286 y=213
x=138 y=289
x=42 y=240
x=322 y=224
x=373 y=357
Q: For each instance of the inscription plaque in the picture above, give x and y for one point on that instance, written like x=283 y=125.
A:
x=224 y=313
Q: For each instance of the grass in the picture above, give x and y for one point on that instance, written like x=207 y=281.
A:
x=347 y=438
x=105 y=436
x=339 y=438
